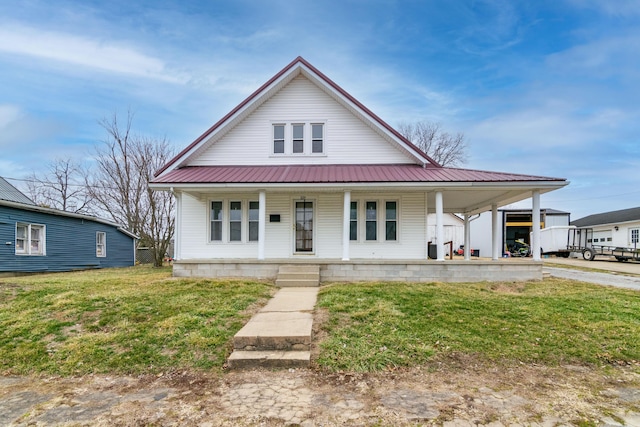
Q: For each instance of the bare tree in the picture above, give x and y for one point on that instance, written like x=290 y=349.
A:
x=124 y=165
x=445 y=148
x=61 y=187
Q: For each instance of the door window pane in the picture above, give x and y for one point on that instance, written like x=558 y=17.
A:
x=304 y=226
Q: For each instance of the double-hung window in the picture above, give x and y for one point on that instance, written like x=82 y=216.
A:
x=298 y=138
x=235 y=221
x=371 y=221
x=254 y=209
x=101 y=244
x=216 y=221
x=317 y=138
x=30 y=239
x=353 y=221
x=391 y=221
x=635 y=236
x=278 y=139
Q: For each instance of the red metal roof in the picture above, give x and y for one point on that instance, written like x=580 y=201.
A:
x=290 y=174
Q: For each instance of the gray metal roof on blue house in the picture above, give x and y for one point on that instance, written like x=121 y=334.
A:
x=11 y=194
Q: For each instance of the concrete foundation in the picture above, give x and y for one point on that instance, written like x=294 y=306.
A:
x=371 y=270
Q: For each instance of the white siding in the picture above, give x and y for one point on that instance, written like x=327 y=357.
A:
x=556 y=220
x=348 y=140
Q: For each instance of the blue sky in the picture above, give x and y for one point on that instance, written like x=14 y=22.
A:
x=539 y=87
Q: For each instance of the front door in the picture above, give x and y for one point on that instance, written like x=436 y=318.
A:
x=304 y=226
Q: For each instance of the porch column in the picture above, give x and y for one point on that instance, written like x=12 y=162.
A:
x=177 y=236
x=535 y=224
x=346 y=222
x=439 y=226
x=262 y=218
x=426 y=225
x=467 y=238
x=495 y=232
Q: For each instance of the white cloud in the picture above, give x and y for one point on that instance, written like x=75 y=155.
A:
x=86 y=52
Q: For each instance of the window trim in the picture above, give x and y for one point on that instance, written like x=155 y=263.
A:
x=634 y=239
x=27 y=251
x=102 y=244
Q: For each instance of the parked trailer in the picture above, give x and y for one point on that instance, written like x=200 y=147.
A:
x=562 y=240
x=557 y=240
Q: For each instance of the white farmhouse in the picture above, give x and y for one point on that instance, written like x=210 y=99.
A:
x=300 y=172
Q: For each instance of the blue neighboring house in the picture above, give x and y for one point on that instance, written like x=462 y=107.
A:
x=38 y=239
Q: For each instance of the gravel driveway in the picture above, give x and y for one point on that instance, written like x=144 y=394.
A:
x=601 y=272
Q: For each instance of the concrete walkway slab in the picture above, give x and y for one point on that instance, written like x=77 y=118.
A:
x=278 y=335
x=292 y=299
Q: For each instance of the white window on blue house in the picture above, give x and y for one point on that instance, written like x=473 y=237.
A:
x=30 y=239
x=101 y=244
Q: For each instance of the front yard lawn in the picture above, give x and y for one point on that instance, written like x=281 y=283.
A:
x=141 y=320
x=379 y=326
x=133 y=320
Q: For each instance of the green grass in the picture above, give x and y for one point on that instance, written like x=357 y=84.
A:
x=135 y=320
x=380 y=326
x=141 y=320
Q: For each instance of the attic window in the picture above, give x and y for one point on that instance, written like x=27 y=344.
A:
x=298 y=139
x=278 y=139
x=317 y=137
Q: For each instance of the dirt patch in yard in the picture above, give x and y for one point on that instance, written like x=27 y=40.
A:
x=457 y=390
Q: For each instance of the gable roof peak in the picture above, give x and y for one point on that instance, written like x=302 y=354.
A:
x=266 y=91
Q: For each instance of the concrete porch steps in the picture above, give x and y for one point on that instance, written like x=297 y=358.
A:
x=298 y=276
x=279 y=335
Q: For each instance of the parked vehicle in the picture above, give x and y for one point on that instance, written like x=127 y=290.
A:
x=562 y=240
